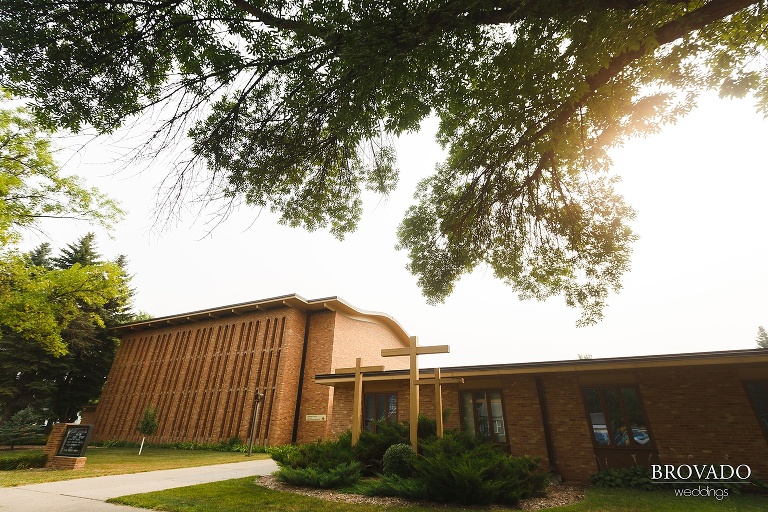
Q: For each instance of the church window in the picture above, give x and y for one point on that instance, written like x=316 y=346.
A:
x=482 y=414
x=616 y=417
x=379 y=407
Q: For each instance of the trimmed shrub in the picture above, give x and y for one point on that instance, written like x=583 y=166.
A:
x=22 y=460
x=324 y=455
x=409 y=488
x=342 y=475
x=371 y=447
x=466 y=470
x=398 y=460
x=635 y=477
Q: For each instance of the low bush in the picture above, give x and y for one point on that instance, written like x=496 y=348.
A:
x=342 y=475
x=398 y=460
x=232 y=445
x=323 y=455
x=393 y=485
x=371 y=447
x=633 y=477
x=460 y=468
x=22 y=459
x=466 y=470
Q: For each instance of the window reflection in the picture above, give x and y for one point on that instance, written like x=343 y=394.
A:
x=379 y=407
x=616 y=417
x=482 y=414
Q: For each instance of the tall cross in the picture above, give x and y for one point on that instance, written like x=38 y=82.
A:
x=437 y=381
x=358 y=394
x=412 y=351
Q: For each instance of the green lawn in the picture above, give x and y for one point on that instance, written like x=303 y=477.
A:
x=116 y=461
x=244 y=494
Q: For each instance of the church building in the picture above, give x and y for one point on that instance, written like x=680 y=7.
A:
x=202 y=371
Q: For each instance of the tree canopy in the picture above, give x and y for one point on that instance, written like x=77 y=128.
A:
x=55 y=346
x=31 y=185
x=294 y=106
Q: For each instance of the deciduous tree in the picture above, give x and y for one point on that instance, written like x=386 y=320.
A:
x=31 y=184
x=55 y=347
x=292 y=106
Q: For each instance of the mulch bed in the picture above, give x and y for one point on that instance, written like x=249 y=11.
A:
x=557 y=494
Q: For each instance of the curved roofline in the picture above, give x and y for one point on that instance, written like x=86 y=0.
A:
x=292 y=300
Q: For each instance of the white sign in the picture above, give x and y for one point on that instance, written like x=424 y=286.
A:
x=315 y=417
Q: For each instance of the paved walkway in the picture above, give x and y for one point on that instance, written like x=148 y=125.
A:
x=89 y=494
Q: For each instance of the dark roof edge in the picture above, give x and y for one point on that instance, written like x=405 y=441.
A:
x=574 y=364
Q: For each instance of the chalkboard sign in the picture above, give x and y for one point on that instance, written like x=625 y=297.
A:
x=75 y=440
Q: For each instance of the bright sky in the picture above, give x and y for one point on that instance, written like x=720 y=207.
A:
x=699 y=278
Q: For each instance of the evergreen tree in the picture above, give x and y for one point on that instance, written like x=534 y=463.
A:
x=762 y=337
x=40 y=256
x=83 y=252
x=55 y=347
x=82 y=372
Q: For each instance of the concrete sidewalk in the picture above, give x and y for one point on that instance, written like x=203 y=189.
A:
x=89 y=494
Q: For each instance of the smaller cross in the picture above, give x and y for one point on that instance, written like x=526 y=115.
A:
x=358 y=395
x=437 y=381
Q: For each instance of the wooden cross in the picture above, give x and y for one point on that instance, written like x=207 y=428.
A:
x=437 y=381
x=358 y=395
x=412 y=351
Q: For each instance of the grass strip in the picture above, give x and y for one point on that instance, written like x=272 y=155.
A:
x=245 y=494
x=119 y=461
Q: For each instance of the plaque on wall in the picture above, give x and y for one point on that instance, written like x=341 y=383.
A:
x=75 y=440
x=316 y=417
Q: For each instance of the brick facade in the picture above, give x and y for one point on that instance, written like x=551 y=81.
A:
x=201 y=372
x=695 y=413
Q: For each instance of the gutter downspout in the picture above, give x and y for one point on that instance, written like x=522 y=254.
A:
x=297 y=413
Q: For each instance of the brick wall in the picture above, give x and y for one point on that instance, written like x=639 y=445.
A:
x=703 y=416
x=336 y=340
x=696 y=415
x=202 y=377
x=523 y=420
x=316 y=399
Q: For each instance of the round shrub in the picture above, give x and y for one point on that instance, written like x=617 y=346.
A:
x=398 y=460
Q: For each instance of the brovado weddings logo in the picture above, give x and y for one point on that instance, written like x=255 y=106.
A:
x=699 y=477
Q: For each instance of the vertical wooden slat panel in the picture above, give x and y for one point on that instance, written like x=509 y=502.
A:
x=124 y=397
x=214 y=435
x=105 y=412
